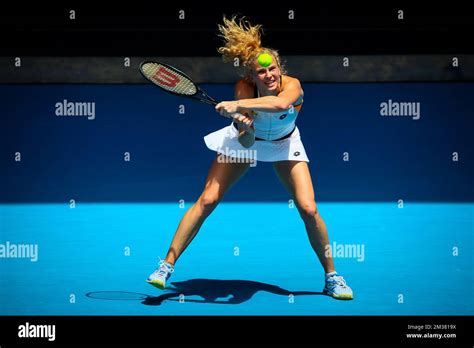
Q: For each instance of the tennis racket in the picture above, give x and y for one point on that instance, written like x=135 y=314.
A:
x=174 y=81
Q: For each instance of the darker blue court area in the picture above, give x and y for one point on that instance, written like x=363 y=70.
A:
x=387 y=157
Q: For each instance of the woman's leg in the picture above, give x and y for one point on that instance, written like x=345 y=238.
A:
x=222 y=175
x=296 y=178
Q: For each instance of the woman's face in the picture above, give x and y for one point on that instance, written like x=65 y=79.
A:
x=267 y=79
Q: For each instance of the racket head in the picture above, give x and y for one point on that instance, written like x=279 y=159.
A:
x=168 y=78
x=173 y=81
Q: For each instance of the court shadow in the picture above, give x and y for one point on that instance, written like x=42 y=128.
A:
x=219 y=291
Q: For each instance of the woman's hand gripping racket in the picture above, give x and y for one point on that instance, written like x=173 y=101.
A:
x=178 y=83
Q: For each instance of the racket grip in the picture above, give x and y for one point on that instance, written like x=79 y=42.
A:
x=236 y=116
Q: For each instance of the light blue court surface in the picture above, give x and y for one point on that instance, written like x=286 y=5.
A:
x=248 y=259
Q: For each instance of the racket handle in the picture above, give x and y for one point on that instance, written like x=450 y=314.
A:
x=210 y=102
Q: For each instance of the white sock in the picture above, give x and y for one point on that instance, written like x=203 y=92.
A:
x=330 y=274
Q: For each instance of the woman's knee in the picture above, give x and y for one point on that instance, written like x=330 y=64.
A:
x=308 y=209
x=208 y=201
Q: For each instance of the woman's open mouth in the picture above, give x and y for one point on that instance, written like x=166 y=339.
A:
x=270 y=84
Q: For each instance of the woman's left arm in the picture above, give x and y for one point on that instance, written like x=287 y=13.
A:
x=288 y=96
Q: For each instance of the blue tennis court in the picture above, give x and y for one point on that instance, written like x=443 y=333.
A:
x=102 y=253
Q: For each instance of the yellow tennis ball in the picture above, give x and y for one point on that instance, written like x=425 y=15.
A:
x=265 y=60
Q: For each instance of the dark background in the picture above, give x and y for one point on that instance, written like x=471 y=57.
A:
x=155 y=29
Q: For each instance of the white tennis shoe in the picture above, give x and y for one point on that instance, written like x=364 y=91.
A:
x=337 y=288
x=159 y=277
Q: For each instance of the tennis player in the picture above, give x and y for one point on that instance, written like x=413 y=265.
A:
x=266 y=105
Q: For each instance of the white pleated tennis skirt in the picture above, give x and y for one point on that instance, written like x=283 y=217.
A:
x=226 y=142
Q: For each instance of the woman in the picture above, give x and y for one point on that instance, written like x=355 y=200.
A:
x=264 y=113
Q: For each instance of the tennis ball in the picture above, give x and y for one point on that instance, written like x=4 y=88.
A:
x=265 y=60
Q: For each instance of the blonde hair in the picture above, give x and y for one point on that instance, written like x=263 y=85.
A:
x=242 y=40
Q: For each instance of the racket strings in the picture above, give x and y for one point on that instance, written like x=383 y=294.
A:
x=169 y=79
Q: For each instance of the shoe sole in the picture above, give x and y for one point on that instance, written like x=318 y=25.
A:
x=340 y=297
x=158 y=285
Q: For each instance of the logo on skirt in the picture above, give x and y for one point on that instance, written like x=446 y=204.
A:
x=238 y=156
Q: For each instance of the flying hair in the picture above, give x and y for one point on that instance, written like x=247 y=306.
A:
x=242 y=40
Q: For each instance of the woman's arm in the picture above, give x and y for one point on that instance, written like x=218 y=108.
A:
x=288 y=96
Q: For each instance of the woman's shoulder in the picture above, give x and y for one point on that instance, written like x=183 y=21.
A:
x=245 y=88
x=293 y=83
x=245 y=82
x=291 y=80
